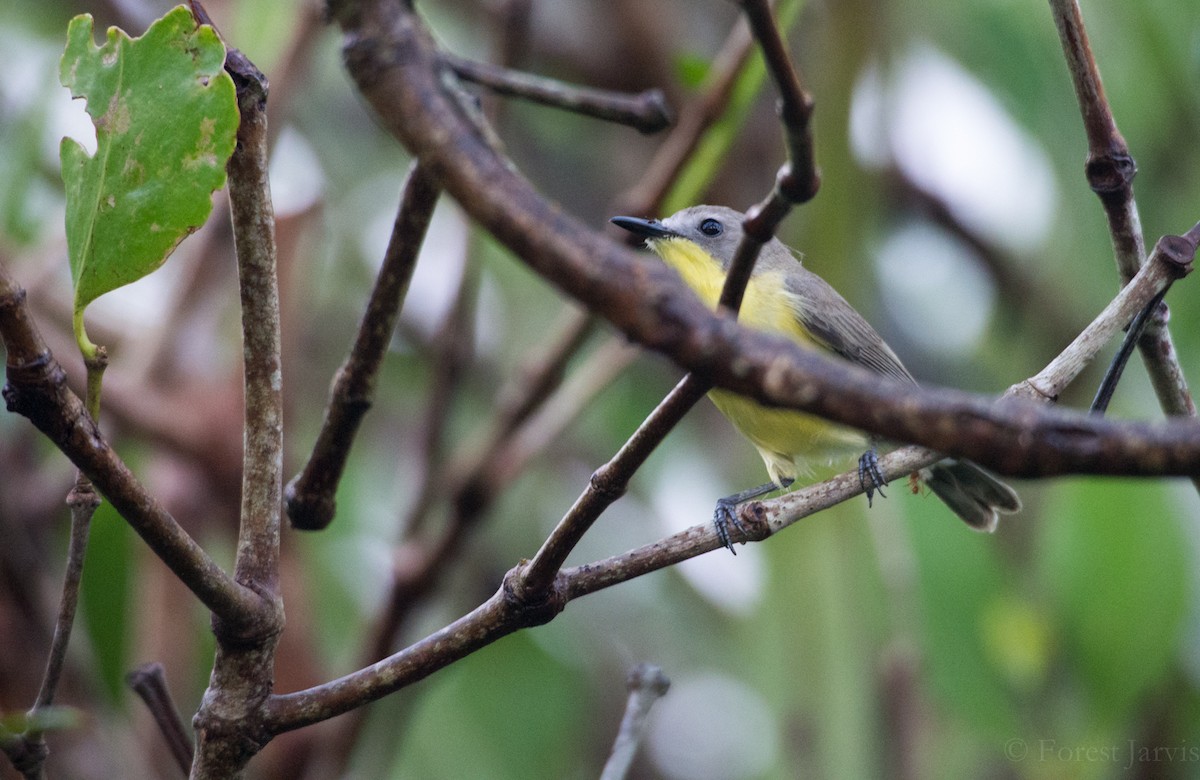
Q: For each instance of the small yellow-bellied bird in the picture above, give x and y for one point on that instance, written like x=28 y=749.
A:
x=785 y=297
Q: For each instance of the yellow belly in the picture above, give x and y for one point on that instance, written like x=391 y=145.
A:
x=789 y=442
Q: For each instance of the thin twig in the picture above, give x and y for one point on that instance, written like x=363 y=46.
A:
x=1110 y=170
x=609 y=483
x=647 y=684
x=1110 y=167
x=1108 y=385
x=149 y=682
x=799 y=179
x=547 y=425
x=453 y=347
x=502 y=614
x=646 y=111
x=1170 y=260
x=83 y=501
x=536 y=379
x=310 y=495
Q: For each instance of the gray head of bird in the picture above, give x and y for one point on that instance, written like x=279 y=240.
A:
x=717 y=229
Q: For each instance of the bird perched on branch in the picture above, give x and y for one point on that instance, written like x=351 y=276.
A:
x=786 y=298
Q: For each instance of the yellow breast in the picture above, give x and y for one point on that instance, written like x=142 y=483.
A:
x=767 y=304
x=781 y=436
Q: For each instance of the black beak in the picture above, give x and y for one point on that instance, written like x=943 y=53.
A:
x=650 y=228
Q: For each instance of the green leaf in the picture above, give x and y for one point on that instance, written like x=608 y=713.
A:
x=166 y=122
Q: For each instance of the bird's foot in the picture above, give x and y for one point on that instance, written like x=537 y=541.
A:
x=870 y=476
x=726 y=513
x=724 y=516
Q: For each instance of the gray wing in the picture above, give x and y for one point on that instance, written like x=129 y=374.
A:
x=839 y=328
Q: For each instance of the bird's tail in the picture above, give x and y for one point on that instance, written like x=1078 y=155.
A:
x=972 y=493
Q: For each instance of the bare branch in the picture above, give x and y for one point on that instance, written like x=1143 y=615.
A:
x=28 y=751
x=646 y=111
x=149 y=682
x=799 y=179
x=502 y=614
x=254 y=238
x=242 y=675
x=1170 y=260
x=37 y=389
x=1110 y=167
x=1108 y=385
x=647 y=684
x=82 y=500
x=310 y=495
x=609 y=483
x=1110 y=170
x=537 y=378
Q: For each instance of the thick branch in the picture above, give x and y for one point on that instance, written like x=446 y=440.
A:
x=37 y=389
x=500 y=615
x=227 y=723
x=394 y=61
x=254 y=238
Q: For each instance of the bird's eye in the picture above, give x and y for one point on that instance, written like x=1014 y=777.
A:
x=711 y=227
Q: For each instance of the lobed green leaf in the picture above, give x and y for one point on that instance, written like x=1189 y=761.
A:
x=166 y=123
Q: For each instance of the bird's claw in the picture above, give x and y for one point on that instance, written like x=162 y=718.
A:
x=724 y=516
x=870 y=476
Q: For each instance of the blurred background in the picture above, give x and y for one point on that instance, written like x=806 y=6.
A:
x=953 y=213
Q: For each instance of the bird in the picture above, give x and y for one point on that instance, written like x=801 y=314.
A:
x=784 y=297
